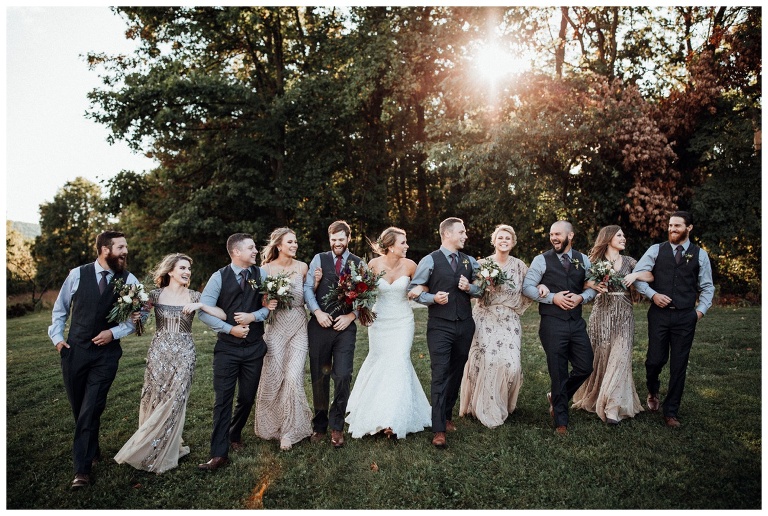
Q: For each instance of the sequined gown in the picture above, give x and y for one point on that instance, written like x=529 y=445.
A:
x=493 y=374
x=157 y=444
x=282 y=410
x=610 y=389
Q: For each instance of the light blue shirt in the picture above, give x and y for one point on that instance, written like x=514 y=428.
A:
x=424 y=271
x=64 y=303
x=210 y=297
x=309 y=282
x=536 y=272
x=705 y=285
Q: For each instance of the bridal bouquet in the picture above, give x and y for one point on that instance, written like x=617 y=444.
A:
x=277 y=286
x=489 y=277
x=130 y=299
x=603 y=272
x=357 y=290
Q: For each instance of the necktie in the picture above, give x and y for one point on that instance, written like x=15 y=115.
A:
x=243 y=278
x=679 y=254
x=103 y=282
x=566 y=262
x=454 y=263
x=338 y=266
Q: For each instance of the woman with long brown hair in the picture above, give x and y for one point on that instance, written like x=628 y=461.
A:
x=610 y=389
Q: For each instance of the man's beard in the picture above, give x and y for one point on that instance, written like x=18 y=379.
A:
x=338 y=254
x=563 y=245
x=117 y=262
x=679 y=240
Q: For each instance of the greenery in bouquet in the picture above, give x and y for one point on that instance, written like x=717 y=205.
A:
x=276 y=286
x=489 y=277
x=130 y=299
x=602 y=272
x=357 y=290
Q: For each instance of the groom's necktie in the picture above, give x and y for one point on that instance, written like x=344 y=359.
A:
x=243 y=279
x=338 y=265
x=454 y=262
x=103 y=282
x=566 y=263
x=679 y=254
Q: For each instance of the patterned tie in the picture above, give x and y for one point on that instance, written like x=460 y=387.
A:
x=243 y=279
x=103 y=282
x=566 y=262
x=338 y=266
x=679 y=254
x=454 y=262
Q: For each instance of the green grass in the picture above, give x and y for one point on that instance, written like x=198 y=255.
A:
x=713 y=462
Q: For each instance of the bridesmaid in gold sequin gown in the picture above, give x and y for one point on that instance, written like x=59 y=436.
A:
x=282 y=410
x=493 y=374
x=157 y=445
x=610 y=389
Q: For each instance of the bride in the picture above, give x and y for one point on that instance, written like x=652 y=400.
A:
x=387 y=395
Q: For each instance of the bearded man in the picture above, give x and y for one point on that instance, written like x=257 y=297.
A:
x=91 y=352
x=681 y=274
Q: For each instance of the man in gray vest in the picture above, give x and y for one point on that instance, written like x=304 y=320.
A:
x=681 y=274
x=240 y=347
x=90 y=355
x=332 y=333
x=447 y=273
x=562 y=330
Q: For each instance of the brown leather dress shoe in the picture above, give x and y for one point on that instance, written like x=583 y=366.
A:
x=317 y=437
x=672 y=422
x=236 y=445
x=449 y=426
x=337 y=438
x=561 y=430
x=81 y=480
x=439 y=440
x=214 y=464
x=653 y=402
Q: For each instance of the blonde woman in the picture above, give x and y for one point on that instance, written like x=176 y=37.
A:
x=610 y=389
x=493 y=374
x=282 y=410
x=157 y=444
x=387 y=395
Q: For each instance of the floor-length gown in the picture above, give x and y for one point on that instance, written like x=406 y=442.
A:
x=387 y=393
x=493 y=374
x=282 y=410
x=157 y=445
x=610 y=389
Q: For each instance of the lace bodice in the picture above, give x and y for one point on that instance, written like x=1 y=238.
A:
x=392 y=300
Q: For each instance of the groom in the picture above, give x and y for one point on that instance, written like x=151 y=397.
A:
x=331 y=339
x=447 y=273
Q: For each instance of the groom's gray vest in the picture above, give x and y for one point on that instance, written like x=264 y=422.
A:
x=458 y=307
x=679 y=282
x=91 y=308
x=233 y=299
x=556 y=280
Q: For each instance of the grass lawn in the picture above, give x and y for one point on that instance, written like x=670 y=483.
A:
x=712 y=462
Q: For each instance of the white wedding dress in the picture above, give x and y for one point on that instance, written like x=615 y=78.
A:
x=387 y=393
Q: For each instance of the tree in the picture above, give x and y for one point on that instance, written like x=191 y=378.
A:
x=69 y=225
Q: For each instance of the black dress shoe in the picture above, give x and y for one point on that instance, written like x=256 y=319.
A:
x=214 y=464
x=81 y=480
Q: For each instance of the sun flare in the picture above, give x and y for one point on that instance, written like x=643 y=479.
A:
x=493 y=62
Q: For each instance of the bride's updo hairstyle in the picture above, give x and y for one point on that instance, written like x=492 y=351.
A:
x=270 y=251
x=387 y=239
x=508 y=229
x=160 y=273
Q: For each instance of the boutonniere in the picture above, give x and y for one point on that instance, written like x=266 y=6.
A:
x=575 y=262
x=466 y=263
x=687 y=257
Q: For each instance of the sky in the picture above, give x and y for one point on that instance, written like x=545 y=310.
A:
x=49 y=141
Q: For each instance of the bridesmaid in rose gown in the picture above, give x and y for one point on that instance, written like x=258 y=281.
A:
x=157 y=445
x=610 y=389
x=493 y=374
x=282 y=410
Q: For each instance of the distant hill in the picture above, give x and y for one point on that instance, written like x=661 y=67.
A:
x=27 y=229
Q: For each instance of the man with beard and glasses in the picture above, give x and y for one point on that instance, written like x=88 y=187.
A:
x=331 y=339
x=681 y=274
x=91 y=352
x=556 y=280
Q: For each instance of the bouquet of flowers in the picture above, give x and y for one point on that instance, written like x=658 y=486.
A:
x=357 y=290
x=489 y=277
x=277 y=286
x=130 y=299
x=603 y=272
